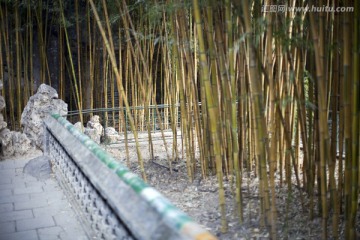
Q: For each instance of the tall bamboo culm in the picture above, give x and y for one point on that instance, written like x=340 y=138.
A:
x=252 y=92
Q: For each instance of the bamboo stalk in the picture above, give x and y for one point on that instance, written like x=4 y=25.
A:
x=257 y=98
x=212 y=111
x=78 y=38
x=120 y=87
x=18 y=63
x=272 y=117
x=355 y=127
x=323 y=129
x=78 y=99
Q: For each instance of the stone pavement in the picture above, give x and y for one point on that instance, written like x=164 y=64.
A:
x=32 y=208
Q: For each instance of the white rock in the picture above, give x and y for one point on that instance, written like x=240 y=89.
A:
x=111 y=135
x=92 y=133
x=39 y=106
x=6 y=143
x=94 y=129
x=94 y=123
x=3 y=124
x=79 y=126
x=22 y=145
x=2 y=103
x=111 y=131
x=13 y=143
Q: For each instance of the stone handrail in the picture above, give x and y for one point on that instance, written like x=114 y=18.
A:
x=115 y=203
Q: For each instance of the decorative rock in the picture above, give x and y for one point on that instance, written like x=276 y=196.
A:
x=92 y=133
x=43 y=103
x=13 y=143
x=94 y=129
x=39 y=167
x=6 y=143
x=94 y=123
x=21 y=143
x=3 y=124
x=2 y=103
x=111 y=135
x=111 y=131
x=79 y=126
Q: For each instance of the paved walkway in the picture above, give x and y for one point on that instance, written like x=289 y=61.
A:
x=34 y=209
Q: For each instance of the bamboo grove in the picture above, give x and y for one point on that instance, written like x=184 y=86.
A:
x=274 y=93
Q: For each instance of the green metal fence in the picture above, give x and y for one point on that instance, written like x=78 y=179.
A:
x=110 y=117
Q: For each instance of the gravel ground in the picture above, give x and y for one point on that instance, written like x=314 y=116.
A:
x=199 y=198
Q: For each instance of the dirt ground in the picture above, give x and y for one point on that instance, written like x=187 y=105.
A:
x=199 y=199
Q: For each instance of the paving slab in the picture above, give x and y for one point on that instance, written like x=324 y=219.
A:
x=28 y=190
x=31 y=204
x=11 y=186
x=7 y=172
x=7 y=227
x=5 y=180
x=6 y=207
x=14 y=198
x=28 y=235
x=53 y=209
x=20 y=163
x=19 y=179
x=34 y=208
x=35 y=223
x=50 y=233
x=5 y=192
x=51 y=196
x=7 y=164
x=16 y=215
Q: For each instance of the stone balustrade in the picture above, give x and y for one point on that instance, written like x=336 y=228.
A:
x=114 y=202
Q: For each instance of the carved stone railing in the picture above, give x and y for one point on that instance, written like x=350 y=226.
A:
x=114 y=202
